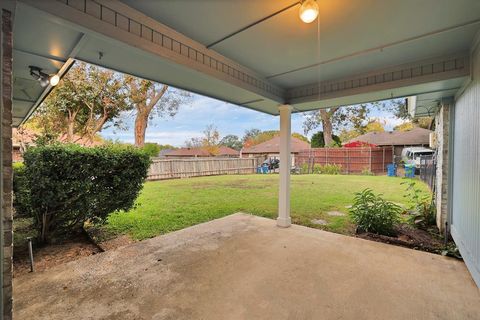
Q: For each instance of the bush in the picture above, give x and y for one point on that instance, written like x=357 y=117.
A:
x=423 y=213
x=366 y=172
x=152 y=149
x=20 y=190
x=322 y=169
x=65 y=185
x=372 y=213
x=327 y=169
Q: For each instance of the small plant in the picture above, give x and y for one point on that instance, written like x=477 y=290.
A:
x=422 y=211
x=366 y=172
x=304 y=168
x=327 y=169
x=372 y=213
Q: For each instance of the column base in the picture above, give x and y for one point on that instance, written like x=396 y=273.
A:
x=284 y=222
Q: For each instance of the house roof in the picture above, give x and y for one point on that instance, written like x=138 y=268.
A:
x=201 y=152
x=164 y=152
x=25 y=136
x=273 y=146
x=416 y=136
x=226 y=151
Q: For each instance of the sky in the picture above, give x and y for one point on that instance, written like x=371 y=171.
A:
x=202 y=111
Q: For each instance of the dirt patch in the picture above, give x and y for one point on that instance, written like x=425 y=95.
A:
x=52 y=255
x=115 y=243
x=410 y=237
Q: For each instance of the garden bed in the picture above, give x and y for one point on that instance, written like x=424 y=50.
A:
x=414 y=238
x=46 y=257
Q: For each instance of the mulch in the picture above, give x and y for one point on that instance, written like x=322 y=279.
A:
x=409 y=237
x=47 y=257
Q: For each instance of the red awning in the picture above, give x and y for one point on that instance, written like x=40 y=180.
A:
x=356 y=144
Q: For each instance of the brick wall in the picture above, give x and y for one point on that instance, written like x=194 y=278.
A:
x=6 y=143
x=441 y=197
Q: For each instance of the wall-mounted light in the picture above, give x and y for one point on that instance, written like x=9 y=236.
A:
x=44 y=78
x=308 y=11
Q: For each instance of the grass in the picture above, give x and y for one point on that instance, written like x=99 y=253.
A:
x=166 y=206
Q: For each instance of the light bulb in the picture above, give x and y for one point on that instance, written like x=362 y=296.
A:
x=308 y=11
x=54 y=80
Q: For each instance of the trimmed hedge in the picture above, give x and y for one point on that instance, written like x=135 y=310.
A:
x=64 y=185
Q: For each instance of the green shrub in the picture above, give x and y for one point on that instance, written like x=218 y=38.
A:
x=20 y=190
x=69 y=184
x=423 y=213
x=372 y=213
x=366 y=172
x=304 y=168
x=327 y=169
x=152 y=149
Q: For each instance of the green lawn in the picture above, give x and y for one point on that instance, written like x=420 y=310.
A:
x=165 y=206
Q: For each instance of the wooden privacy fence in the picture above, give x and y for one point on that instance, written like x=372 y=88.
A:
x=352 y=160
x=195 y=167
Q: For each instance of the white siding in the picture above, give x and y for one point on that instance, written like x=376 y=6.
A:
x=465 y=222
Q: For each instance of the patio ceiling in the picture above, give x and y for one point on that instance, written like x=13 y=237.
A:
x=357 y=51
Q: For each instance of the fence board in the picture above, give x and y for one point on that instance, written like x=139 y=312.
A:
x=352 y=160
x=161 y=169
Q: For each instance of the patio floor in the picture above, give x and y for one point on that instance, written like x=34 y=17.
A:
x=244 y=267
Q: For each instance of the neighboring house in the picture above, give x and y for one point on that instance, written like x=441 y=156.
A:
x=271 y=149
x=23 y=138
x=202 y=152
x=417 y=137
x=164 y=152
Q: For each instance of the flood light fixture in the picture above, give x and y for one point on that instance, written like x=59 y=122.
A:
x=44 y=78
x=308 y=11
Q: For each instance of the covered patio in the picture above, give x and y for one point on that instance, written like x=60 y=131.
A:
x=243 y=267
x=260 y=55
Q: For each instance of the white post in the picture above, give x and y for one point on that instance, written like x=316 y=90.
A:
x=283 y=219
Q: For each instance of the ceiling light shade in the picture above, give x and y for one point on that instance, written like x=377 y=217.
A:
x=308 y=11
x=44 y=78
x=54 y=80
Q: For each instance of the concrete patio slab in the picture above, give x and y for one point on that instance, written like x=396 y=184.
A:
x=244 y=267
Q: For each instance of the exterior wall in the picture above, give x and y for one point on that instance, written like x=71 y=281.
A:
x=6 y=161
x=465 y=211
x=442 y=123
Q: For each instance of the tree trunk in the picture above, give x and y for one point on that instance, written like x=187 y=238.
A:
x=141 y=122
x=327 y=127
x=70 y=130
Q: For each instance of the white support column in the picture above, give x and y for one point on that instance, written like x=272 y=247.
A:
x=283 y=219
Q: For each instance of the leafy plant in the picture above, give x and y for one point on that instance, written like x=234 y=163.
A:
x=366 y=172
x=327 y=169
x=422 y=210
x=62 y=186
x=372 y=213
x=20 y=190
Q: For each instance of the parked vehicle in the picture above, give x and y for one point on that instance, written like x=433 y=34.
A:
x=411 y=155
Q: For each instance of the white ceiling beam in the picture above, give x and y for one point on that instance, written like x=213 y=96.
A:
x=425 y=71
x=123 y=23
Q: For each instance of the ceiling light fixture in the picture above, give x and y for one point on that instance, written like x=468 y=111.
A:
x=308 y=11
x=44 y=78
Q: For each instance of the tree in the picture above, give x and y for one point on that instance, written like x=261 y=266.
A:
x=210 y=140
x=335 y=119
x=149 y=99
x=231 y=141
x=406 y=126
x=262 y=136
x=84 y=101
x=319 y=142
x=300 y=137
x=251 y=133
x=373 y=126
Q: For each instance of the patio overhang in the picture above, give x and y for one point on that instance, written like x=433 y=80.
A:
x=260 y=59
